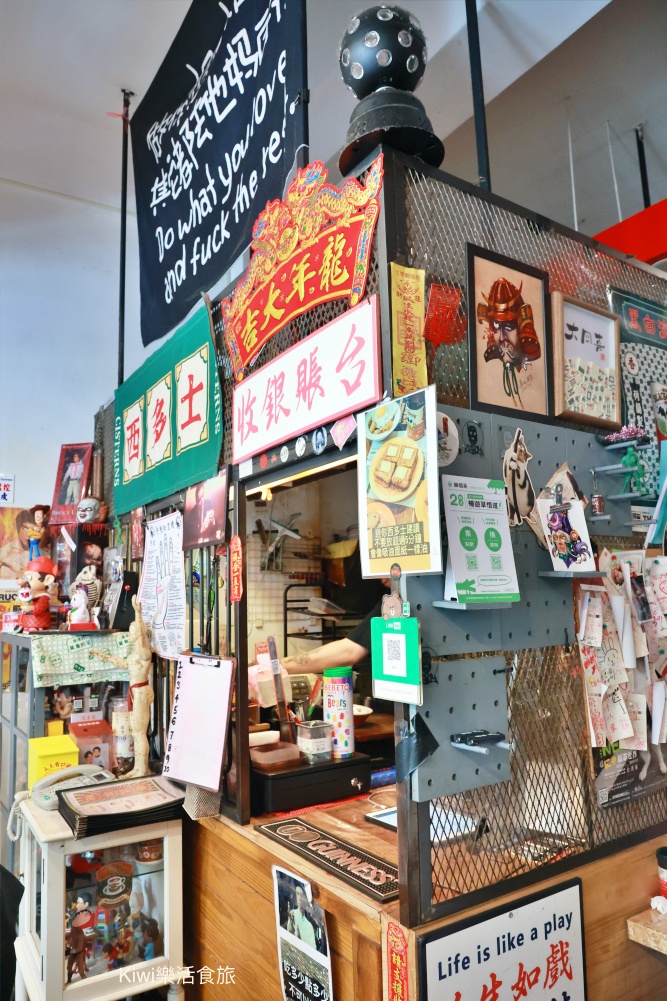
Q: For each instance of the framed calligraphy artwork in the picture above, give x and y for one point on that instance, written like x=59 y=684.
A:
x=586 y=356
x=509 y=326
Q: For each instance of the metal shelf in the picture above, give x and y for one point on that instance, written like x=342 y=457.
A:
x=459 y=606
x=570 y=574
x=599 y=517
x=625 y=444
x=612 y=497
x=617 y=469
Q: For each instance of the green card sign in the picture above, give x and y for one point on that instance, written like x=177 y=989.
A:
x=168 y=419
x=396 y=660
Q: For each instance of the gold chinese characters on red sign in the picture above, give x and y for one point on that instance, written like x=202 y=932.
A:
x=311 y=247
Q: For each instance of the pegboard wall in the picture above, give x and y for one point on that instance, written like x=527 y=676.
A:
x=544 y=616
x=547 y=806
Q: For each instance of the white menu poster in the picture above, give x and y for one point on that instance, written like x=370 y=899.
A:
x=162 y=587
x=480 y=546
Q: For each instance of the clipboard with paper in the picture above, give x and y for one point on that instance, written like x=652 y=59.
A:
x=199 y=719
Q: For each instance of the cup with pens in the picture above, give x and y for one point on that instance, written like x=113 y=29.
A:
x=314 y=736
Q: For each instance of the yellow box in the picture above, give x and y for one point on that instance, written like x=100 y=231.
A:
x=54 y=727
x=50 y=754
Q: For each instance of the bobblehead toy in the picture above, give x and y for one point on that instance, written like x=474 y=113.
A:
x=39 y=575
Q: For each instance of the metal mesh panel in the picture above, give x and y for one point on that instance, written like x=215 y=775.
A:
x=440 y=219
x=549 y=808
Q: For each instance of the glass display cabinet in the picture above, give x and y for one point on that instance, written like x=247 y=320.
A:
x=101 y=917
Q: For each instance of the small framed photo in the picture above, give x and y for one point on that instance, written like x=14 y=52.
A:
x=509 y=326
x=71 y=482
x=587 y=385
x=205 y=515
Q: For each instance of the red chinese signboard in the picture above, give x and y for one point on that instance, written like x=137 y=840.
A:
x=311 y=247
x=397 y=963
x=235 y=569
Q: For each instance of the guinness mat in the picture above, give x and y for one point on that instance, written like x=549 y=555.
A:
x=368 y=873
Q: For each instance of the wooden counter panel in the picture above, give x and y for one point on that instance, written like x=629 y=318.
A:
x=613 y=889
x=230 y=915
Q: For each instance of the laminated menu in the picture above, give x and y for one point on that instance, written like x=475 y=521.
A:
x=99 y=809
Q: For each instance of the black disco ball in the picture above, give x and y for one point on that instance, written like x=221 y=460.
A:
x=383 y=47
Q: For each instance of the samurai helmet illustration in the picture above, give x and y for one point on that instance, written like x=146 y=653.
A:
x=503 y=301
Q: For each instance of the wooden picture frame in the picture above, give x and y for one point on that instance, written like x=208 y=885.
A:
x=70 y=488
x=509 y=335
x=587 y=390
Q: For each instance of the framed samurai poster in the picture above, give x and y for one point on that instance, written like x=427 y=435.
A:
x=587 y=385
x=509 y=324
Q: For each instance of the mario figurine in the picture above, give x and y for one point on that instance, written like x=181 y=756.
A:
x=39 y=575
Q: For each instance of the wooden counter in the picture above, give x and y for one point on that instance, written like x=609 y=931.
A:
x=230 y=915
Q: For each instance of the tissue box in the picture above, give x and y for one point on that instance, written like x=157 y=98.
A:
x=50 y=754
x=93 y=740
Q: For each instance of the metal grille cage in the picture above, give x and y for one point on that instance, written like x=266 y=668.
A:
x=441 y=218
x=549 y=809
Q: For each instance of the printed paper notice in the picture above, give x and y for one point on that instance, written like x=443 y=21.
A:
x=162 y=588
x=303 y=950
x=480 y=547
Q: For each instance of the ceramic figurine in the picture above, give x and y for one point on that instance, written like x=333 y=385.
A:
x=634 y=480
x=140 y=694
x=38 y=576
x=89 y=581
x=78 y=613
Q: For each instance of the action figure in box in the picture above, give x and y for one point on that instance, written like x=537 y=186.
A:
x=39 y=575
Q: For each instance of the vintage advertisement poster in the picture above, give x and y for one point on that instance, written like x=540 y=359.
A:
x=408 y=349
x=480 y=546
x=162 y=587
x=398 y=486
x=303 y=949
x=531 y=948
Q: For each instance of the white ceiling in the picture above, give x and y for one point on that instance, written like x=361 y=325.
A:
x=63 y=65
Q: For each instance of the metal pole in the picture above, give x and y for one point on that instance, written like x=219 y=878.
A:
x=641 y=153
x=127 y=94
x=483 y=168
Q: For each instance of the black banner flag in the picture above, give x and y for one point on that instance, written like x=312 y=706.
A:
x=215 y=137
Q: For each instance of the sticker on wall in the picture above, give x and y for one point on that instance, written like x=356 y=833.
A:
x=519 y=490
x=472 y=438
x=567 y=536
x=319 y=440
x=448 y=439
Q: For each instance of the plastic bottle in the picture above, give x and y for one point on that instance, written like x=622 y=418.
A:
x=339 y=710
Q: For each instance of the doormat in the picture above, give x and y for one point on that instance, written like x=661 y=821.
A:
x=368 y=873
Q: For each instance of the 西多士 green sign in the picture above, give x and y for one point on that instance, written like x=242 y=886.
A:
x=168 y=419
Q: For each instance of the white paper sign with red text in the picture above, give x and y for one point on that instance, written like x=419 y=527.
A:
x=332 y=372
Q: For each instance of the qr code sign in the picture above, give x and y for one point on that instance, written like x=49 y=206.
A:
x=603 y=796
x=471 y=562
x=393 y=655
x=496 y=562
